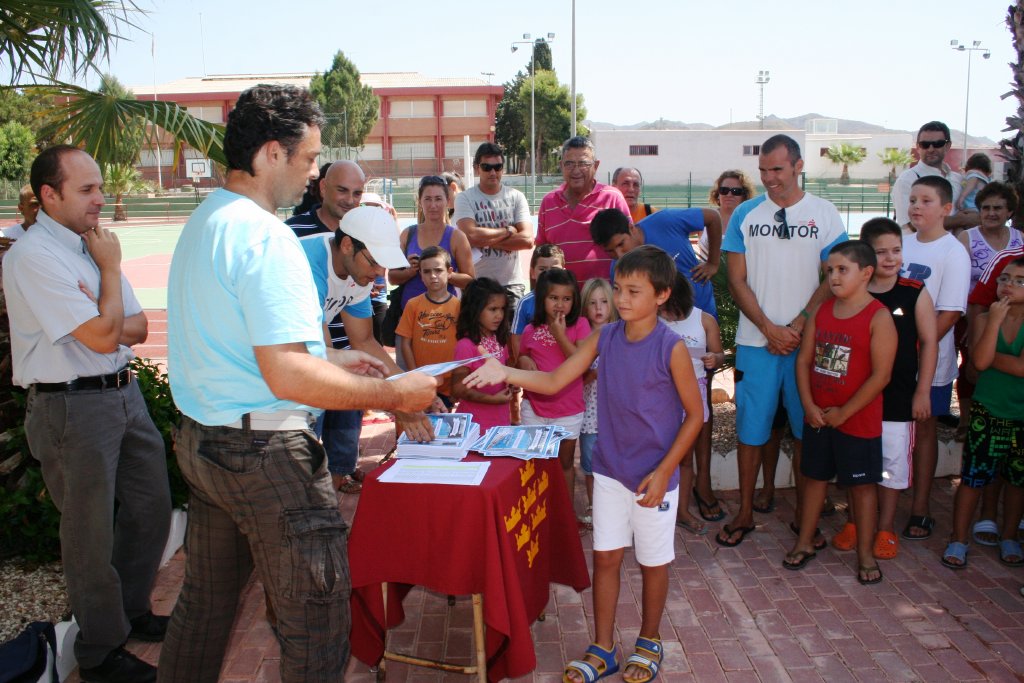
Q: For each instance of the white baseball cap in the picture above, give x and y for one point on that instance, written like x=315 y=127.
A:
x=371 y=198
x=379 y=232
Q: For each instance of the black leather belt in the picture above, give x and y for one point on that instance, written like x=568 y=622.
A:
x=119 y=379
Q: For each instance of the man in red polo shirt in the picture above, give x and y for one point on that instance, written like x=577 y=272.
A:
x=565 y=212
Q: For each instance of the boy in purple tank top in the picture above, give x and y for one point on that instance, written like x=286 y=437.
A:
x=647 y=421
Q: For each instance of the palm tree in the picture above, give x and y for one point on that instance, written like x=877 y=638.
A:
x=119 y=180
x=41 y=39
x=847 y=155
x=1012 y=149
x=895 y=158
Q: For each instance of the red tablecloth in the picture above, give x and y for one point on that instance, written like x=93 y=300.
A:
x=507 y=539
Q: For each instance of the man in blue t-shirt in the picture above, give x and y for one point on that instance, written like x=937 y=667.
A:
x=250 y=371
x=670 y=230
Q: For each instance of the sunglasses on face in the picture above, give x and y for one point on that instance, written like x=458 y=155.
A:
x=734 y=191
x=936 y=144
x=780 y=216
x=491 y=167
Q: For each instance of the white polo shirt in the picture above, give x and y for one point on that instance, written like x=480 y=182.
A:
x=45 y=305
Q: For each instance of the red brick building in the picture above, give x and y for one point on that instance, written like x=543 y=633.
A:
x=422 y=124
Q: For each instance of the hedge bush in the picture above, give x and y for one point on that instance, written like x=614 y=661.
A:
x=29 y=521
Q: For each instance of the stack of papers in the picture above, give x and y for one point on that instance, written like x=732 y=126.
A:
x=524 y=442
x=454 y=434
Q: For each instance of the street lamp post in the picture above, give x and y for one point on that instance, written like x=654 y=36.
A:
x=762 y=78
x=533 y=103
x=974 y=47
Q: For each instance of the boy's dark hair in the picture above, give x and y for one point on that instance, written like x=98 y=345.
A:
x=997 y=189
x=858 y=251
x=434 y=252
x=680 y=302
x=547 y=280
x=546 y=251
x=606 y=224
x=652 y=261
x=939 y=184
x=474 y=300
x=265 y=113
x=934 y=127
x=47 y=170
x=780 y=140
x=876 y=227
x=979 y=161
x=1019 y=261
x=488 y=149
x=357 y=246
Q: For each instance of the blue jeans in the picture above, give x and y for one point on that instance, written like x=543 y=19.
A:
x=339 y=430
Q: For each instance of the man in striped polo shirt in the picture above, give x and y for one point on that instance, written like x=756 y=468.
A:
x=565 y=212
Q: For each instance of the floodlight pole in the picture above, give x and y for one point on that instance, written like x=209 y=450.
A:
x=975 y=47
x=533 y=104
x=762 y=78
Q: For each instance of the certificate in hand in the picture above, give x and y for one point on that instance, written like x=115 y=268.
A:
x=441 y=368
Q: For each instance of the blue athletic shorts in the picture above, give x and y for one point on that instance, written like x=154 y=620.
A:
x=941 y=398
x=760 y=376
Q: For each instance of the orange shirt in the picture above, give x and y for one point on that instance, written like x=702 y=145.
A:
x=639 y=212
x=430 y=327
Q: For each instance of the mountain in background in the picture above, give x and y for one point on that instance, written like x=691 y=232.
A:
x=771 y=122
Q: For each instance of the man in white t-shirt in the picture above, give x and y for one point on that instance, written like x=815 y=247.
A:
x=933 y=142
x=496 y=219
x=776 y=246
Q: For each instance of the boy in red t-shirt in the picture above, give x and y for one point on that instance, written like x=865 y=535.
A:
x=844 y=363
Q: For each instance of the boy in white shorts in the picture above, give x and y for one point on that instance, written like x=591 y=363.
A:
x=906 y=399
x=649 y=416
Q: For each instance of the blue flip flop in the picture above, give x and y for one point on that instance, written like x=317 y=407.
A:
x=955 y=551
x=590 y=673
x=1010 y=548
x=648 y=655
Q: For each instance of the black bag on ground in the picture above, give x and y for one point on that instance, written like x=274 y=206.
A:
x=24 y=658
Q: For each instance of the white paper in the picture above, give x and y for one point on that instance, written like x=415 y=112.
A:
x=435 y=472
x=442 y=368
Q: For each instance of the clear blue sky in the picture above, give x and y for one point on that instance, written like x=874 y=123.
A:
x=883 y=61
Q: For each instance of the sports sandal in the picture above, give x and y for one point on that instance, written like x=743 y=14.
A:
x=985 y=532
x=349 y=484
x=922 y=522
x=887 y=545
x=955 y=551
x=704 y=508
x=1009 y=548
x=608 y=664
x=647 y=657
x=846 y=539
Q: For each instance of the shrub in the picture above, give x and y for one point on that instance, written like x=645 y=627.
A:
x=29 y=520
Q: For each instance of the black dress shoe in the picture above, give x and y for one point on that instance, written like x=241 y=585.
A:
x=120 y=666
x=149 y=627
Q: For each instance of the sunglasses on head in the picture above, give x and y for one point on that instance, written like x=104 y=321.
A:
x=484 y=166
x=936 y=144
x=734 y=191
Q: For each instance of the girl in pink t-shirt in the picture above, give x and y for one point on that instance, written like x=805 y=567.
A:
x=551 y=337
x=482 y=323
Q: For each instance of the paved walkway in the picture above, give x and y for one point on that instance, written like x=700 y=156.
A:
x=733 y=614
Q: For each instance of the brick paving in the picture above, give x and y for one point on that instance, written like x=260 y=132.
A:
x=732 y=614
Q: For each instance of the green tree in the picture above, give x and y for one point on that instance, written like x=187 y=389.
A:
x=119 y=180
x=512 y=123
x=847 y=155
x=895 y=158
x=351 y=107
x=553 y=116
x=17 y=145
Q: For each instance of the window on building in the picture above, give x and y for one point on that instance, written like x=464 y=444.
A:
x=643 y=150
x=465 y=108
x=147 y=157
x=413 y=149
x=453 y=148
x=372 y=151
x=210 y=114
x=411 y=109
x=751 y=150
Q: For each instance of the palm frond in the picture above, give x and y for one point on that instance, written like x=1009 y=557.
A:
x=94 y=121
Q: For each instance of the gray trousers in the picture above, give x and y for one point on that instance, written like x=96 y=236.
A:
x=263 y=500
x=96 y=447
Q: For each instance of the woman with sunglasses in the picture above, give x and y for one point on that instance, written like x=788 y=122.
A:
x=432 y=230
